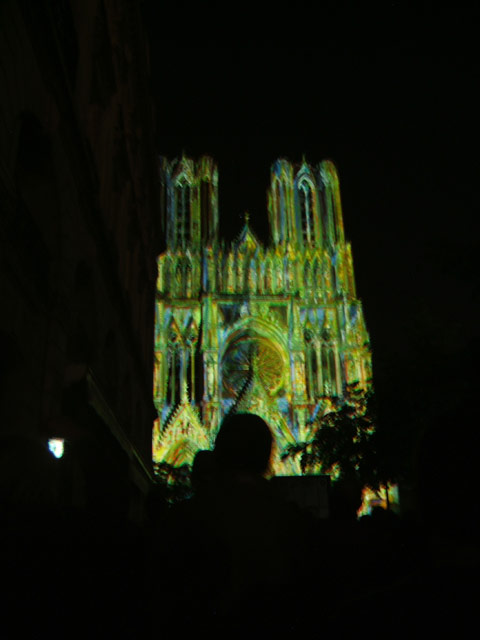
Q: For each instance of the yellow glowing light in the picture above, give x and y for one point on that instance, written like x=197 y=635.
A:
x=384 y=497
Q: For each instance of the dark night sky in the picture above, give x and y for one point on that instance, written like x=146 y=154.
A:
x=398 y=118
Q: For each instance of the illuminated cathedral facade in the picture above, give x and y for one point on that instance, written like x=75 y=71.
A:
x=276 y=330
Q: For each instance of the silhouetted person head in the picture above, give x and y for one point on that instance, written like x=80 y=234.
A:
x=243 y=444
x=203 y=469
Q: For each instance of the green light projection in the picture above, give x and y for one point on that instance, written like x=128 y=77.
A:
x=275 y=330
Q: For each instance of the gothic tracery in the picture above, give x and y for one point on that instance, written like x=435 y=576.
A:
x=277 y=330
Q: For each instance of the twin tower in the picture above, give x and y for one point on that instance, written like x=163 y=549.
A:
x=303 y=204
x=276 y=330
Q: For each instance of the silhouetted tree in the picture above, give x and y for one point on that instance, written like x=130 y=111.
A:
x=348 y=441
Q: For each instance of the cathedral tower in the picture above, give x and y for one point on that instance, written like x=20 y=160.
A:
x=275 y=330
x=189 y=203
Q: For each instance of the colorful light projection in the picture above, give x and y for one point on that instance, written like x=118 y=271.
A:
x=275 y=330
x=384 y=497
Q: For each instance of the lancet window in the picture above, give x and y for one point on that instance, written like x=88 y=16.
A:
x=219 y=274
x=182 y=209
x=229 y=273
x=278 y=209
x=333 y=371
x=314 y=369
x=278 y=283
x=191 y=337
x=277 y=195
x=205 y=204
x=329 y=367
x=240 y=272
x=330 y=224
x=307 y=278
x=290 y=280
x=188 y=279
x=316 y=276
x=252 y=276
x=306 y=202
x=268 y=277
x=174 y=374
x=311 y=363
x=179 y=280
x=189 y=373
x=326 y=370
x=333 y=275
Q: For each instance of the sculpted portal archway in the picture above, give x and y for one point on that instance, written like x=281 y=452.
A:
x=256 y=376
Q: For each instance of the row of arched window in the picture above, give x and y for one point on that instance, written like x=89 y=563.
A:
x=315 y=212
x=244 y=274
x=176 y=278
x=182 y=213
x=274 y=276
x=184 y=369
x=322 y=370
x=184 y=373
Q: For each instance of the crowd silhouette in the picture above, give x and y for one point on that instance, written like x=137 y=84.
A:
x=236 y=557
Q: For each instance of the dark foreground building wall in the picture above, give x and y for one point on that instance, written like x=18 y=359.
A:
x=79 y=238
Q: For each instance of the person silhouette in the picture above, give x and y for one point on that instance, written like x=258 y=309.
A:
x=265 y=536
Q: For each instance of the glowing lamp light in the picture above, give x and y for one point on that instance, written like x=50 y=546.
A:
x=56 y=446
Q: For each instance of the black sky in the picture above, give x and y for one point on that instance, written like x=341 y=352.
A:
x=397 y=115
